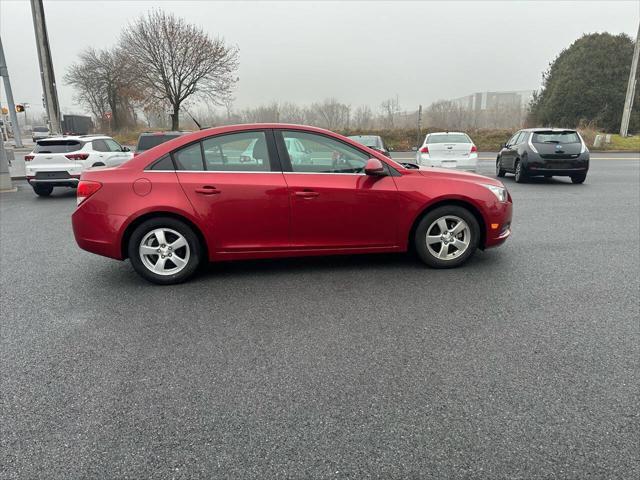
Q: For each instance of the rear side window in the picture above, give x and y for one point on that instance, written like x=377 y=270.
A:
x=449 y=138
x=237 y=152
x=57 y=146
x=556 y=137
x=164 y=163
x=145 y=142
x=189 y=158
x=100 y=146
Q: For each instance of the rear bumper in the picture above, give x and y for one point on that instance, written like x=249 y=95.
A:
x=561 y=172
x=98 y=233
x=55 y=182
x=456 y=163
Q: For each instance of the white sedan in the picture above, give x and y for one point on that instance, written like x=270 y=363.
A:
x=448 y=150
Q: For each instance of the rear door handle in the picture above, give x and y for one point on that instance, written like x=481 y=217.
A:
x=208 y=190
x=306 y=194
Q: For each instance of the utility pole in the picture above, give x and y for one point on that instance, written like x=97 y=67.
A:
x=5 y=176
x=631 y=88
x=46 y=67
x=4 y=72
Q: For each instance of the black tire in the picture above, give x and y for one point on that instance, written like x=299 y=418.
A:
x=43 y=190
x=579 y=178
x=195 y=250
x=420 y=238
x=500 y=172
x=520 y=173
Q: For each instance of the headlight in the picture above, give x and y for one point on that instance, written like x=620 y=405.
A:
x=500 y=192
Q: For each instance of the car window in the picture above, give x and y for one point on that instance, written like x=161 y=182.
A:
x=57 y=146
x=40 y=129
x=113 y=145
x=324 y=155
x=164 y=163
x=244 y=152
x=556 y=137
x=512 y=140
x=449 y=138
x=100 y=146
x=189 y=158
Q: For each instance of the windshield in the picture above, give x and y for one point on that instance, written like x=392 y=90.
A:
x=149 y=141
x=556 y=137
x=57 y=146
x=449 y=138
x=368 y=140
x=40 y=129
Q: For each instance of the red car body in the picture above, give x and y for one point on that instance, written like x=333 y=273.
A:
x=277 y=214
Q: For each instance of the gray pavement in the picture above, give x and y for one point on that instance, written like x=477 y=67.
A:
x=522 y=364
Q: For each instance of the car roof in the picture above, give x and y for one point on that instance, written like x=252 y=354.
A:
x=446 y=133
x=76 y=137
x=171 y=132
x=549 y=129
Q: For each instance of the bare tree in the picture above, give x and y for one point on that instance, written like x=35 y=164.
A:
x=390 y=109
x=330 y=114
x=363 y=118
x=174 y=60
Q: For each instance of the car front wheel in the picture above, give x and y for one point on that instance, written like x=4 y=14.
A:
x=164 y=250
x=447 y=237
x=500 y=172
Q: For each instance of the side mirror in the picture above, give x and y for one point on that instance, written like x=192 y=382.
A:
x=375 y=168
x=389 y=149
x=126 y=149
x=414 y=149
x=503 y=145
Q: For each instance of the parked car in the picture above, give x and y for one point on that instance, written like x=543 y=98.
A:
x=59 y=161
x=148 y=140
x=193 y=199
x=535 y=152
x=39 y=132
x=372 y=141
x=448 y=150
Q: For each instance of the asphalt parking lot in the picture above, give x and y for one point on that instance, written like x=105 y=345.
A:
x=521 y=364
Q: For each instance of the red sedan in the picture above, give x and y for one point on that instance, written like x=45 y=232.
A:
x=274 y=190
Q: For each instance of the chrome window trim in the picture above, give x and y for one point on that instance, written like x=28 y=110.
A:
x=243 y=171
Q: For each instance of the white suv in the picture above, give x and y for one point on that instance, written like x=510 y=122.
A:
x=59 y=161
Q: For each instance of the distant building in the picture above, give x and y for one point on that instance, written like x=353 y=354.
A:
x=495 y=100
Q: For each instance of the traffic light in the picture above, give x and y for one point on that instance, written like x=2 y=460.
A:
x=5 y=110
x=19 y=108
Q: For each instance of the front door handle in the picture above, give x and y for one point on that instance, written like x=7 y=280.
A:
x=306 y=194
x=208 y=190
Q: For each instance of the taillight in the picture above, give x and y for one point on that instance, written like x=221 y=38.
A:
x=77 y=156
x=474 y=148
x=28 y=158
x=86 y=188
x=424 y=149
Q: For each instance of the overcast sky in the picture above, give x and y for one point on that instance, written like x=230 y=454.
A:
x=359 y=52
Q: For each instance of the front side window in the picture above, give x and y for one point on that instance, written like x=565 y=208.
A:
x=113 y=145
x=100 y=146
x=323 y=154
x=237 y=152
x=513 y=139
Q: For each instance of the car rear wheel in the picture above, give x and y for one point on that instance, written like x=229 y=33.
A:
x=520 y=174
x=500 y=172
x=447 y=237
x=164 y=250
x=579 y=178
x=43 y=190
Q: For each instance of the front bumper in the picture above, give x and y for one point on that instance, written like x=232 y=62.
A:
x=498 y=227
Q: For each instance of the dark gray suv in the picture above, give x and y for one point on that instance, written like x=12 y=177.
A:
x=544 y=152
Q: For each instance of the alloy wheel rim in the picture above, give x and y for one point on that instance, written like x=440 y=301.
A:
x=498 y=167
x=448 y=237
x=164 y=251
x=518 y=170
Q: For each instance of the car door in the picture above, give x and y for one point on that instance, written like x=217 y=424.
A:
x=509 y=152
x=243 y=205
x=333 y=203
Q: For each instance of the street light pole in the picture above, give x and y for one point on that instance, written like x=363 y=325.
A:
x=631 y=87
x=4 y=72
x=46 y=67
